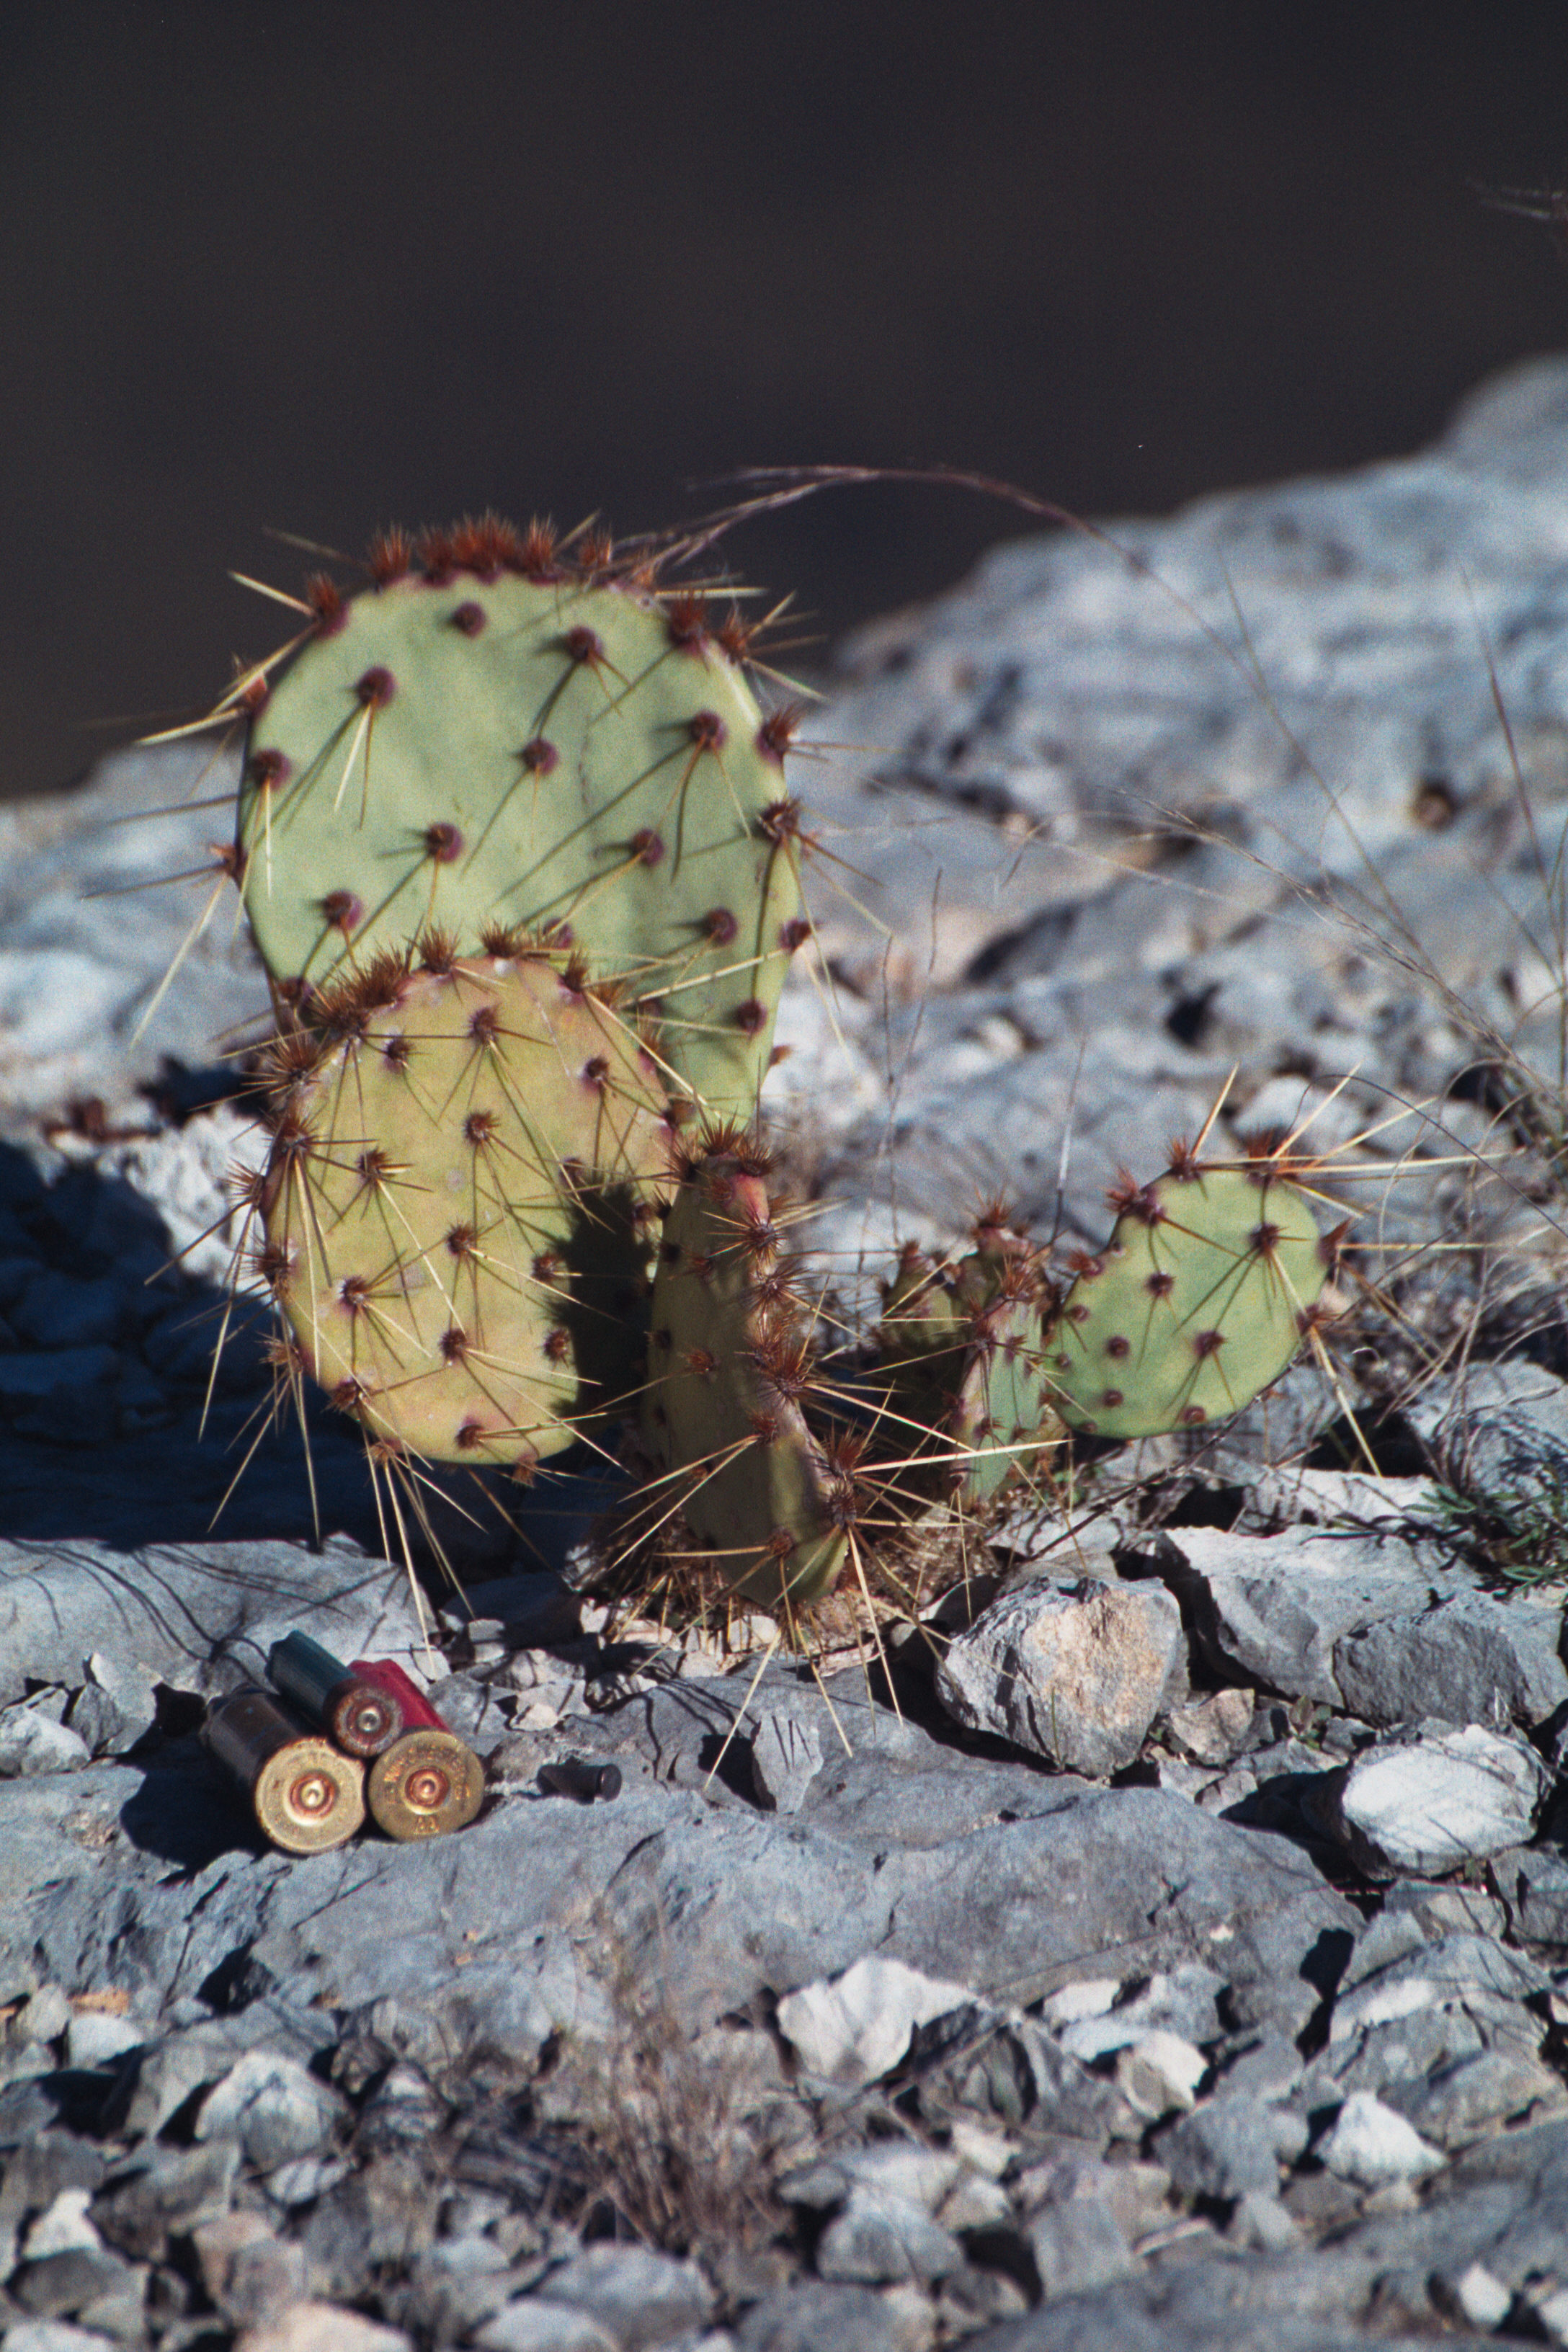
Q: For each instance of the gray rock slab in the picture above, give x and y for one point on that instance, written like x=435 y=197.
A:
x=638 y=2296
x=532 y=2325
x=881 y=2238
x=1078 y=2246
x=1233 y=2143
x=76 y=976
x=1471 y=2096
x=172 y=2189
x=1017 y=1883
x=1472 y=1659
x=1494 y=1429
x=1075 y=1673
x=455 y=2286
x=817 y=2314
x=1304 y=2302
x=1274 y=1607
x=1471 y=1968
x=1534 y=1883
x=1432 y=1802
x=274 y=2107
x=786 y=1757
x=200 y=1617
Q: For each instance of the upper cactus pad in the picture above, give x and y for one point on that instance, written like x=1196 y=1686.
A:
x=480 y=750
x=458 y=1204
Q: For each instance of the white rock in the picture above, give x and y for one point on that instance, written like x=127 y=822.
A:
x=1074 y=1673
x=533 y=2327
x=984 y=2152
x=1432 y=1803
x=1482 y=2299
x=308 y=2178
x=93 y=2037
x=1553 y=2316
x=1159 y=2073
x=902 y=2168
x=975 y=2203
x=856 y=2027
x=43 y=2017
x=1373 y=2146
x=60 y=2336
x=1090 y=1998
x=32 y=1743
x=321 y=2327
x=273 y=2106
x=62 y=2228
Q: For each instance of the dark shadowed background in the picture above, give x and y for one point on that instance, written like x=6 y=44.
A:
x=317 y=266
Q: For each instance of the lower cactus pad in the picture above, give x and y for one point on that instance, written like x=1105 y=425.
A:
x=460 y=1201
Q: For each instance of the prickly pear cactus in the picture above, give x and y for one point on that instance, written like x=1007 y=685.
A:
x=460 y=1202
x=728 y=1371
x=964 y=1398
x=1198 y=1300
x=462 y=745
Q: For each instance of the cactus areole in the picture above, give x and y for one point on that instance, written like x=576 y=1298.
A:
x=471 y=751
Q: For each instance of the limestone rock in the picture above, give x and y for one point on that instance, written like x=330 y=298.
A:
x=1373 y=2144
x=1433 y=1802
x=1073 y=1673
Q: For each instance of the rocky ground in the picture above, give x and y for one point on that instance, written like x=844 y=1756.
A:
x=1170 y=1947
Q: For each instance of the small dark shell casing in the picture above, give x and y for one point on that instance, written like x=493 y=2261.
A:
x=572 y=1776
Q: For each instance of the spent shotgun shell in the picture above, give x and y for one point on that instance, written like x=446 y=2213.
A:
x=362 y=1717
x=306 y=1797
x=380 y=1674
x=429 y=1783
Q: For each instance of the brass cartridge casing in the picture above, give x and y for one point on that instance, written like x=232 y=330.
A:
x=306 y=1797
x=424 y=1785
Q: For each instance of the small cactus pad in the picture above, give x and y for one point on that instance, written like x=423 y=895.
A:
x=478 y=750
x=459 y=1203
x=961 y=1373
x=1198 y=1301
x=728 y=1371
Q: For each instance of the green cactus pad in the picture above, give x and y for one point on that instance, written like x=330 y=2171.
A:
x=1196 y=1302
x=727 y=1372
x=960 y=1375
x=482 y=751
x=460 y=1202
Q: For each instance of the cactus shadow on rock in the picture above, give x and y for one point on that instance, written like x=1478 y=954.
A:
x=107 y=1432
